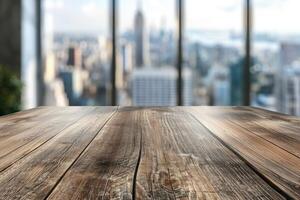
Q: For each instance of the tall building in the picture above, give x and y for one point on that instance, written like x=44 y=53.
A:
x=55 y=94
x=73 y=84
x=74 y=57
x=221 y=87
x=288 y=96
x=195 y=59
x=157 y=87
x=287 y=77
x=289 y=53
x=236 y=83
x=126 y=52
x=140 y=38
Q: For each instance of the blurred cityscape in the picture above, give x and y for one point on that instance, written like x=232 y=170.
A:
x=76 y=65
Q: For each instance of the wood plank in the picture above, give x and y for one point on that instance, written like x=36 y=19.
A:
x=8 y=121
x=280 y=132
x=272 y=114
x=278 y=166
x=181 y=159
x=23 y=113
x=22 y=137
x=291 y=123
x=34 y=176
x=106 y=169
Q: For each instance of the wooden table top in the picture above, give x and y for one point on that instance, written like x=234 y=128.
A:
x=149 y=153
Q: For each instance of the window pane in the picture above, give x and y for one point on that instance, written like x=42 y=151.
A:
x=146 y=73
x=76 y=53
x=214 y=51
x=275 y=83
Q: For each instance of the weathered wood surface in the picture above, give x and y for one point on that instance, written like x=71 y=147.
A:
x=34 y=176
x=273 y=161
x=21 y=135
x=149 y=153
x=283 y=131
x=106 y=169
x=182 y=160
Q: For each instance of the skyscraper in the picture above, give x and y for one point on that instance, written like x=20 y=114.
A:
x=221 y=87
x=236 y=82
x=74 y=57
x=289 y=53
x=140 y=38
x=157 y=86
x=288 y=96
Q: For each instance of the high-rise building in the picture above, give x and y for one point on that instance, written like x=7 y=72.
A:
x=288 y=96
x=195 y=59
x=74 y=57
x=55 y=94
x=158 y=86
x=49 y=67
x=140 y=38
x=289 y=53
x=221 y=87
x=126 y=57
x=73 y=84
x=287 y=78
x=221 y=93
x=236 y=83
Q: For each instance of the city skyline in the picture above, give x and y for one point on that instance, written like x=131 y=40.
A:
x=214 y=56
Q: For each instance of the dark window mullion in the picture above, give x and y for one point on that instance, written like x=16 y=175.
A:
x=113 y=25
x=39 y=54
x=180 y=20
x=247 y=63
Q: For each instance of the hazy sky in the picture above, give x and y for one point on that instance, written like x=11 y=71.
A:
x=279 y=16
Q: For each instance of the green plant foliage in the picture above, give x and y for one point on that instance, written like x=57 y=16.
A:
x=10 y=91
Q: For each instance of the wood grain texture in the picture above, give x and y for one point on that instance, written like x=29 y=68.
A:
x=106 y=169
x=182 y=160
x=34 y=176
x=277 y=165
x=29 y=131
x=272 y=114
x=281 y=130
x=10 y=121
x=149 y=153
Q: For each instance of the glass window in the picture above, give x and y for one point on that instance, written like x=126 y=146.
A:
x=276 y=52
x=76 y=52
x=214 y=51
x=146 y=72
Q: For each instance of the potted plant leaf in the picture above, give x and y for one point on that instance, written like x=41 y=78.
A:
x=10 y=91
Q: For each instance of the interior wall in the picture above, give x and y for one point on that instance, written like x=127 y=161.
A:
x=10 y=34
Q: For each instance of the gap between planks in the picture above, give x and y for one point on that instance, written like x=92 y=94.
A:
x=139 y=156
x=46 y=141
x=82 y=152
x=133 y=191
x=32 y=170
x=263 y=114
x=269 y=182
x=268 y=140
